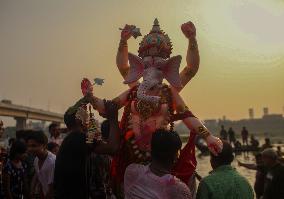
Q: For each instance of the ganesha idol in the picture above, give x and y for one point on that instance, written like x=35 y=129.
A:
x=152 y=104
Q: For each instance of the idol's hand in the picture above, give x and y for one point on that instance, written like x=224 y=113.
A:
x=214 y=144
x=89 y=98
x=188 y=30
x=126 y=32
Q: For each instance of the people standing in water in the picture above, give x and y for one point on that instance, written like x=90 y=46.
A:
x=223 y=133
x=261 y=171
x=267 y=144
x=254 y=142
x=232 y=136
x=274 y=181
x=245 y=135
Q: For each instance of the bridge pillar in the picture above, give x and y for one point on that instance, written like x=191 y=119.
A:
x=21 y=123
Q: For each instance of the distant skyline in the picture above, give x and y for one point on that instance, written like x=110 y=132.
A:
x=47 y=47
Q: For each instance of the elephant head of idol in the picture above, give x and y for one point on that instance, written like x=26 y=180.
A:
x=154 y=64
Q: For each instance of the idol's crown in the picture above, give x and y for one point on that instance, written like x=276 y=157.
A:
x=156 y=43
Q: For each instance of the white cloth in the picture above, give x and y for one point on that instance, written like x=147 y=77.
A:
x=140 y=182
x=46 y=173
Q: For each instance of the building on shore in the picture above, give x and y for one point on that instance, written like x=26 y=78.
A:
x=271 y=125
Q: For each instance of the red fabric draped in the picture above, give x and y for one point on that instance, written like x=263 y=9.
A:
x=186 y=164
x=183 y=169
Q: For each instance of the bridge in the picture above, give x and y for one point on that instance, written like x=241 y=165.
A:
x=22 y=113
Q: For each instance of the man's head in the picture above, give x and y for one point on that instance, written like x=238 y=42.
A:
x=53 y=147
x=222 y=127
x=54 y=130
x=165 y=146
x=267 y=141
x=258 y=159
x=226 y=156
x=71 y=122
x=36 y=142
x=18 y=150
x=269 y=157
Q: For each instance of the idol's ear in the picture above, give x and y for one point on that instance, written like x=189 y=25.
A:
x=136 y=69
x=171 y=71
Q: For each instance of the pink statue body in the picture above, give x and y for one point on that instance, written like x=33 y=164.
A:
x=153 y=103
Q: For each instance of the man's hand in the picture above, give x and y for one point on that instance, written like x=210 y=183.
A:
x=89 y=98
x=111 y=110
x=188 y=30
x=214 y=144
x=126 y=32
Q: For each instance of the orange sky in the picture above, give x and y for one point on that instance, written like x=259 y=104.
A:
x=47 y=47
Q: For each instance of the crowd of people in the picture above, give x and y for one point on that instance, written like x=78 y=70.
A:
x=269 y=181
x=38 y=167
x=252 y=145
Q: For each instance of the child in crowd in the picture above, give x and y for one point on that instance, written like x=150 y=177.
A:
x=15 y=184
x=44 y=163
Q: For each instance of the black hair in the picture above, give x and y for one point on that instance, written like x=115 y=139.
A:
x=70 y=119
x=23 y=134
x=51 y=146
x=11 y=141
x=18 y=147
x=165 y=145
x=258 y=156
x=38 y=136
x=52 y=125
x=105 y=129
x=226 y=156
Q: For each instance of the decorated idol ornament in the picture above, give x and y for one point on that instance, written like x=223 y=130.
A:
x=83 y=116
x=151 y=104
x=93 y=134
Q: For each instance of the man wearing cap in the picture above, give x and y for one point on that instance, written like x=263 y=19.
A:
x=274 y=182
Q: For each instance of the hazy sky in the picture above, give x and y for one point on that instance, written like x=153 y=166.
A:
x=47 y=47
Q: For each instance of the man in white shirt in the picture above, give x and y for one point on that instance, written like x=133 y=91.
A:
x=44 y=164
x=155 y=181
x=55 y=135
